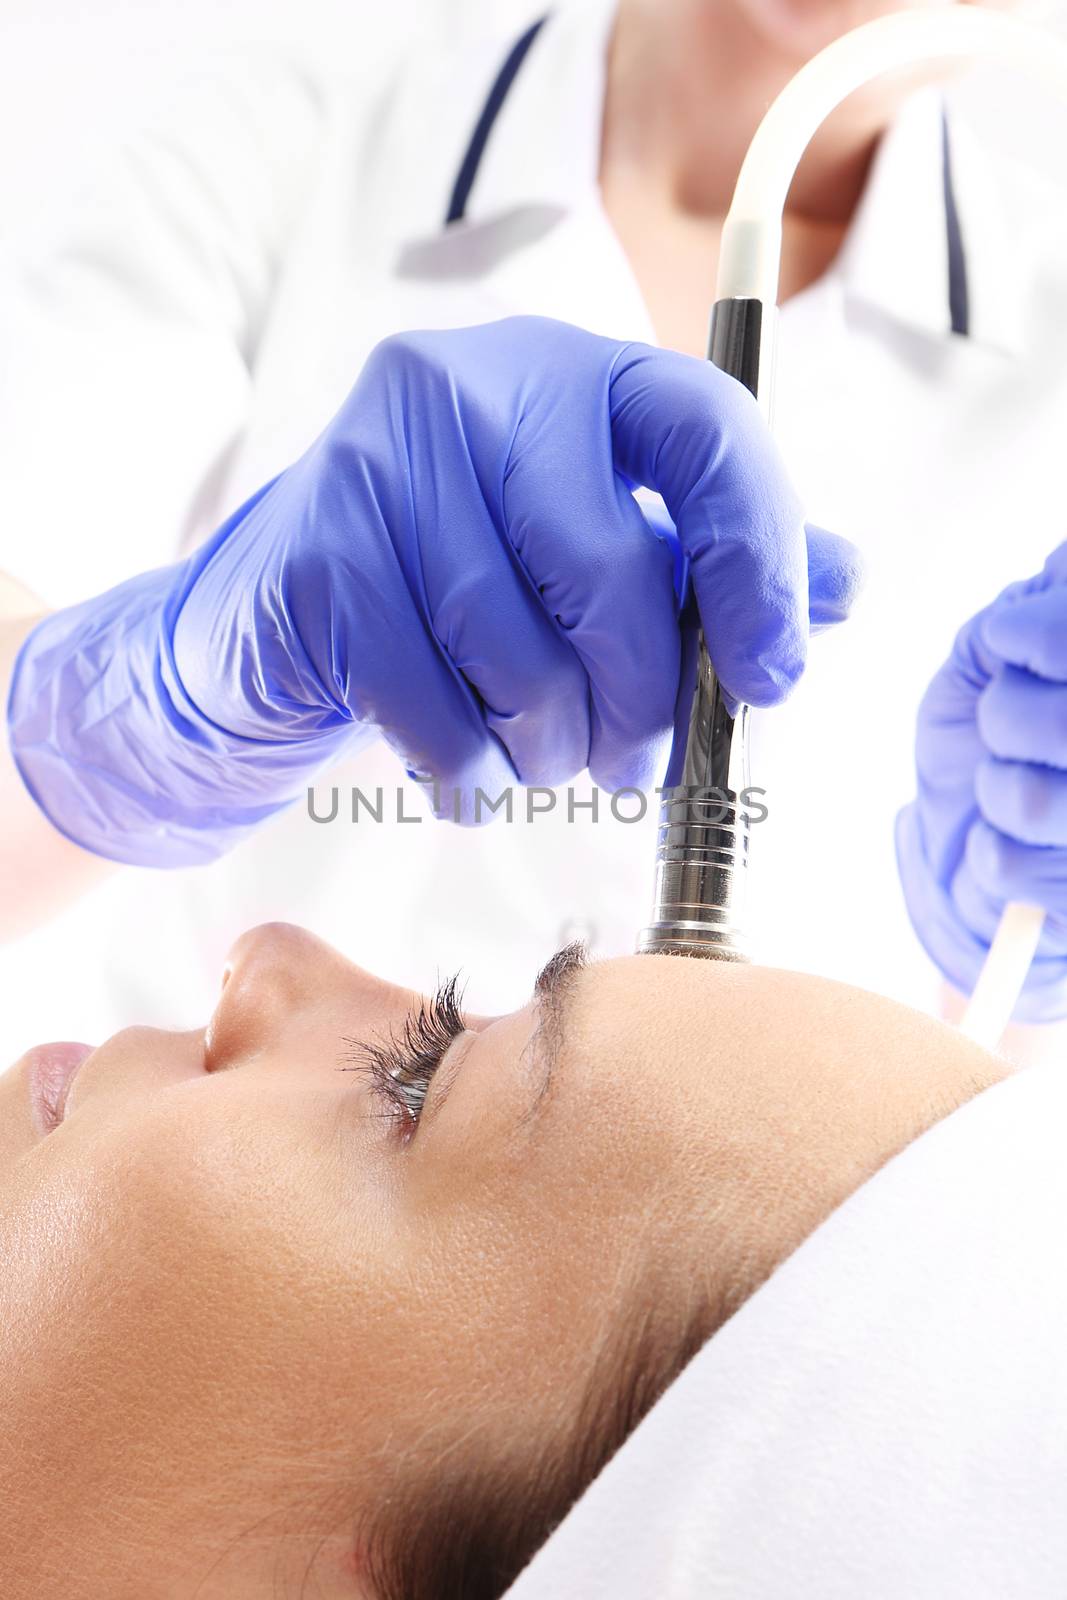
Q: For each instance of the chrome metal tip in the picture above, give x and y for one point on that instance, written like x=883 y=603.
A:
x=698 y=906
x=679 y=939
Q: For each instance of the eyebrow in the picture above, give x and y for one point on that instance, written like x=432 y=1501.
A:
x=553 y=988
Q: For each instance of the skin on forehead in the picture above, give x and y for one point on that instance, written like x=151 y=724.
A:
x=248 y=1303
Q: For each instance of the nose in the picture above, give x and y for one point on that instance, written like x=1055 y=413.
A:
x=271 y=950
x=279 y=982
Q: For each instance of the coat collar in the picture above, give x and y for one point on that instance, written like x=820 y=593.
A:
x=929 y=231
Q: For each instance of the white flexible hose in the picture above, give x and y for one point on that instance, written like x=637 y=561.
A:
x=750 y=260
x=751 y=248
x=1003 y=973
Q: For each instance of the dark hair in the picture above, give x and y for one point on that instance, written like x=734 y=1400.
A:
x=468 y=1532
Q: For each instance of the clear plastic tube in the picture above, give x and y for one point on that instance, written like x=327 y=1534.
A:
x=750 y=260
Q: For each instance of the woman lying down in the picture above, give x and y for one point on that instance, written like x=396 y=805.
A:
x=346 y=1299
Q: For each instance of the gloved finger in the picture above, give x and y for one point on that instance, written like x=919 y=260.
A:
x=835 y=577
x=983 y=916
x=1025 y=801
x=943 y=930
x=491 y=619
x=955 y=950
x=463 y=774
x=1003 y=870
x=1044 y=996
x=696 y=436
x=948 y=745
x=977 y=911
x=662 y=526
x=981 y=912
x=1024 y=718
x=1031 y=632
x=440 y=734
x=606 y=582
x=835 y=566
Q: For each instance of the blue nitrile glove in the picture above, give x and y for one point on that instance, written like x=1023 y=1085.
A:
x=456 y=563
x=989 y=825
x=834 y=569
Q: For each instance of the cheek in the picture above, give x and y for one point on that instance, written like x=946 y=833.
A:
x=519 y=1259
x=196 y=1281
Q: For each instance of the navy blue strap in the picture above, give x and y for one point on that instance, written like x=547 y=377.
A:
x=959 y=295
x=461 y=193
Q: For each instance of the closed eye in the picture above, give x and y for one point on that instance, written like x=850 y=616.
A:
x=401 y=1066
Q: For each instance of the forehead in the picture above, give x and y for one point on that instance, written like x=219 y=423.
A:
x=659 y=994
x=635 y=1027
x=666 y=1030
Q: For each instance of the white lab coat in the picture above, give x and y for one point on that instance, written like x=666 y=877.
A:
x=188 y=334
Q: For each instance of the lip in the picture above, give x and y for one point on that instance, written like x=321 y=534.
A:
x=51 y=1070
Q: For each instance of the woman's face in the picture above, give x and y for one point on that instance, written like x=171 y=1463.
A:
x=241 y=1297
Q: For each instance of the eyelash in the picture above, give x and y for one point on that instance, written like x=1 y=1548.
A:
x=401 y=1066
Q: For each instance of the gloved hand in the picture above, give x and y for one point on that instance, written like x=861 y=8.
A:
x=989 y=824
x=458 y=564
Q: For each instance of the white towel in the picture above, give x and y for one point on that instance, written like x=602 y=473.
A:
x=886 y=1418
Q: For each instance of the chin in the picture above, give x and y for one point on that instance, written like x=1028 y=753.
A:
x=801 y=28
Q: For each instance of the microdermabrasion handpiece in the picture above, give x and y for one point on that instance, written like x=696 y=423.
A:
x=702 y=852
x=700 y=868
